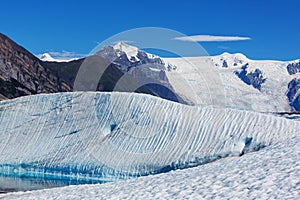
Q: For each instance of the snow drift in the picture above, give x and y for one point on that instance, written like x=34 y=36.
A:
x=111 y=136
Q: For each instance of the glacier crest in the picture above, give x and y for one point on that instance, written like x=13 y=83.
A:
x=112 y=136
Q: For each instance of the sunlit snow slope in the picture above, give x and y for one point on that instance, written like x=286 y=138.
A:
x=110 y=136
x=236 y=81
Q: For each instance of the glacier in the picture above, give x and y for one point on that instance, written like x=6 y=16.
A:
x=99 y=137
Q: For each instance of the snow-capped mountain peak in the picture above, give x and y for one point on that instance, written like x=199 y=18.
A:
x=234 y=55
x=130 y=51
x=227 y=60
x=46 y=57
x=129 y=56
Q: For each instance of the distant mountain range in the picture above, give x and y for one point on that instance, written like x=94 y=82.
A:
x=48 y=58
x=22 y=73
x=232 y=79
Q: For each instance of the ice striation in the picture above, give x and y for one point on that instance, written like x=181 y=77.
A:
x=95 y=137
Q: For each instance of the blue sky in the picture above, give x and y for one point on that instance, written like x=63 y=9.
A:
x=77 y=26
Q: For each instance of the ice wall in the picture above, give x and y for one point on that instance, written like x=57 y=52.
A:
x=111 y=136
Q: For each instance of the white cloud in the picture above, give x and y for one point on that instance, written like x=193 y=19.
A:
x=211 y=38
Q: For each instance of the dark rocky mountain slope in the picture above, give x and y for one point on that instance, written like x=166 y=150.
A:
x=21 y=73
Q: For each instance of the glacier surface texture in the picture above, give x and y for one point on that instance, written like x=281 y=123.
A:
x=111 y=136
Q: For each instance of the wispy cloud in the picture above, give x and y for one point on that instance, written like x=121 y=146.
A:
x=211 y=38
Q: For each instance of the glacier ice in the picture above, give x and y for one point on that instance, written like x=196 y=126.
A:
x=90 y=136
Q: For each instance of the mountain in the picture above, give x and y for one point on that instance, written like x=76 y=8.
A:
x=239 y=82
x=93 y=137
x=21 y=73
x=227 y=80
x=48 y=58
x=147 y=69
x=128 y=56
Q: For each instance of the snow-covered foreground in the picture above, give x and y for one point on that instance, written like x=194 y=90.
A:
x=271 y=173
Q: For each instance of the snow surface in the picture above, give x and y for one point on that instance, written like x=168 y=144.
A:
x=113 y=136
x=271 y=173
x=203 y=80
